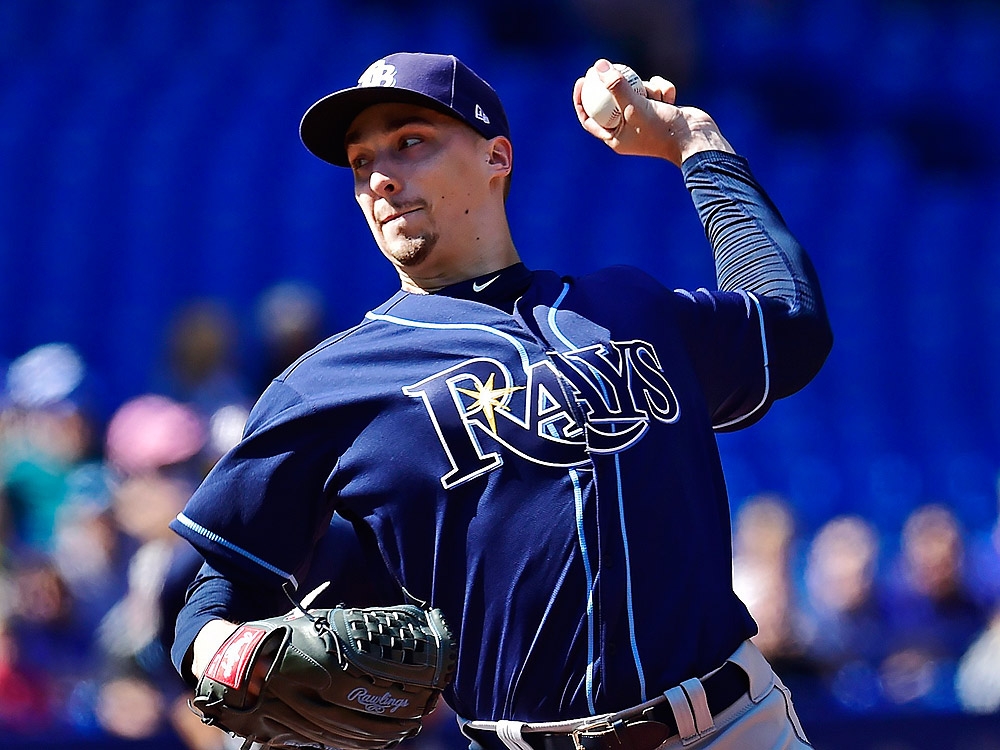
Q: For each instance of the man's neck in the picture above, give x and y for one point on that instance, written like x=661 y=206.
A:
x=430 y=279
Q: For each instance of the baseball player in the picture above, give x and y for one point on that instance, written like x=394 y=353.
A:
x=531 y=453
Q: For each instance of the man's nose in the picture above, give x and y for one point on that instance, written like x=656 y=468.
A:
x=382 y=184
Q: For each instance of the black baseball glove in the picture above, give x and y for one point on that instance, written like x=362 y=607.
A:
x=352 y=679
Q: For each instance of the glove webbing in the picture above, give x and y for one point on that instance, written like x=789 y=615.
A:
x=387 y=635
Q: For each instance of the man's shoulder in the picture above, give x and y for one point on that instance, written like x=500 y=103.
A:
x=344 y=345
x=338 y=345
x=319 y=382
x=617 y=279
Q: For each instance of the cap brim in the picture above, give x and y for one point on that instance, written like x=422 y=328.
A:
x=324 y=125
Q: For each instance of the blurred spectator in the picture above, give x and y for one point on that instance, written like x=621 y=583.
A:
x=24 y=703
x=977 y=681
x=984 y=561
x=290 y=320
x=764 y=534
x=193 y=733
x=45 y=376
x=131 y=707
x=152 y=432
x=225 y=428
x=6 y=432
x=6 y=524
x=159 y=449
x=847 y=616
x=156 y=446
x=89 y=549
x=48 y=433
x=204 y=374
x=45 y=639
x=933 y=617
x=202 y=364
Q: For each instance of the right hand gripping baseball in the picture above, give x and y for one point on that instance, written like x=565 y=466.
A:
x=352 y=679
x=650 y=125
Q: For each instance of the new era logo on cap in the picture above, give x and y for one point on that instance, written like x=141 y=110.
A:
x=440 y=82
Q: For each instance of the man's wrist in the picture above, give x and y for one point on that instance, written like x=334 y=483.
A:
x=704 y=139
x=209 y=639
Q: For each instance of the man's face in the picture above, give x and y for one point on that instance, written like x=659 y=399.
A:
x=421 y=179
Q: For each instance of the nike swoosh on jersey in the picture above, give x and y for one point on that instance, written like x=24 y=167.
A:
x=477 y=287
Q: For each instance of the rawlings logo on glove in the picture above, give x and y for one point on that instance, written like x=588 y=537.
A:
x=377 y=704
x=353 y=679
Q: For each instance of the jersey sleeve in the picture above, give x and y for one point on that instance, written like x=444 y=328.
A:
x=764 y=333
x=339 y=556
x=263 y=506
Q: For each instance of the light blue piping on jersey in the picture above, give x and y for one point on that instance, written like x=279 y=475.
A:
x=552 y=318
x=553 y=325
x=211 y=535
x=574 y=475
x=525 y=362
x=767 y=367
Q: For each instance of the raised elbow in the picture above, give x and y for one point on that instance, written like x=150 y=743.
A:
x=805 y=343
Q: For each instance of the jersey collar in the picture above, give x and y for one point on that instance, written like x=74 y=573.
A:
x=499 y=288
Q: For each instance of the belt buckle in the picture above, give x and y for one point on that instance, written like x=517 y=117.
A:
x=586 y=727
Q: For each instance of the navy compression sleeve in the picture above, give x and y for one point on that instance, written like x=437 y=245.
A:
x=755 y=251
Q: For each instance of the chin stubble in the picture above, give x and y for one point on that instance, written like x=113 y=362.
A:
x=411 y=251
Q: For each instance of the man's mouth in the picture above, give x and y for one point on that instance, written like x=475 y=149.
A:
x=397 y=214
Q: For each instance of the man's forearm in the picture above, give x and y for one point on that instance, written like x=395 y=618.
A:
x=754 y=250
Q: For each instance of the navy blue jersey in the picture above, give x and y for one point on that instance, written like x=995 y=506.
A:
x=535 y=455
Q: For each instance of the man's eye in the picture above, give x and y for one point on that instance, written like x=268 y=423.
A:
x=411 y=141
x=358 y=162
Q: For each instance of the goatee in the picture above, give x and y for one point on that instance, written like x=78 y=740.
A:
x=411 y=251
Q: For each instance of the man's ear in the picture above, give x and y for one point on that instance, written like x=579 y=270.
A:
x=501 y=155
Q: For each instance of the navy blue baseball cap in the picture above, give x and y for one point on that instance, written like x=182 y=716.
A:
x=439 y=82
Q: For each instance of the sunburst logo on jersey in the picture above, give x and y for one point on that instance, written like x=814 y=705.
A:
x=488 y=399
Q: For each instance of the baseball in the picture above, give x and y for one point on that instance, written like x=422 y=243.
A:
x=597 y=100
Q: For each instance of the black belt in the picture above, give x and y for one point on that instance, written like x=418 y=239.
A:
x=643 y=731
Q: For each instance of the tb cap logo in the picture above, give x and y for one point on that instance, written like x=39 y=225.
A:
x=379 y=73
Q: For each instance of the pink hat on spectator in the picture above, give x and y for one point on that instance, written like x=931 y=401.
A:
x=153 y=431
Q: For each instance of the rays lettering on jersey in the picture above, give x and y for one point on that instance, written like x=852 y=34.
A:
x=616 y=392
